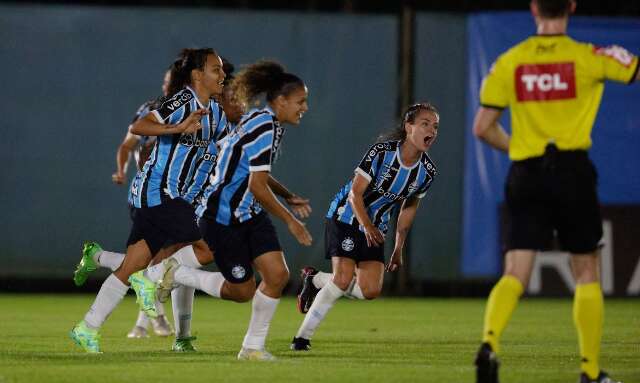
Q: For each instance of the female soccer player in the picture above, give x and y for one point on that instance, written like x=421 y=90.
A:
x=395 y=172
x=233 y=218
x=163 y=192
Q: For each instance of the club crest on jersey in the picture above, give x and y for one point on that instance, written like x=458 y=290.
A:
x=238 y=272
x=412 y=187
x=348 y=244
x=545 y=82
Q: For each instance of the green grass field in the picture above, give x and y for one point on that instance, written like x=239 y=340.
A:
x=388 y=340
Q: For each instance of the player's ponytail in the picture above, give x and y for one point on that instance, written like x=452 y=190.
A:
x=188 y=60
x=409 y=116
x=264 y=77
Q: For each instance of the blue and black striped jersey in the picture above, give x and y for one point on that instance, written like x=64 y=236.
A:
x=390 y=183
x=179 y=164
x=252 y=147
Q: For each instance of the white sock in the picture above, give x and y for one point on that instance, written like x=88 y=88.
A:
x=187 y=257
x=143 y=320
x=182 y=303
x=159 y=308
x=111 y=293
x=108 y=259
x=324 y=301
x=184 y=256
x=207 y=281
x=321 y=279
x=263 y=308
x=354 y=291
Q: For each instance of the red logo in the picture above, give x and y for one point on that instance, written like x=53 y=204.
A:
x=544 y=82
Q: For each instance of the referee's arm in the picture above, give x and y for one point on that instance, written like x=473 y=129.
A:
x=487 y=128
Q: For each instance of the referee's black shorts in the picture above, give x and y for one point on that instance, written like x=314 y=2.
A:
x=173 y=221
x=553 y=194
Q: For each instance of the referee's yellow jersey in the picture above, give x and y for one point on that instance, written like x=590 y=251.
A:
x=553 y=86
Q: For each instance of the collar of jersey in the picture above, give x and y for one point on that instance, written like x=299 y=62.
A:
x=402 y=165
x=196 y=97
x=552 y=35
x=271 y=112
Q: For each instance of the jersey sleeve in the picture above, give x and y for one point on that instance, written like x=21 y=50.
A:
x=494 y=92
x=370 y=162
x=173 y=109
x=259 y=150
x=423 y=189
x=614 y=63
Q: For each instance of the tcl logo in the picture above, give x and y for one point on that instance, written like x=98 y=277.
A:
x=543 y=82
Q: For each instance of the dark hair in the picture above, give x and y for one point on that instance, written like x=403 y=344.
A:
x=553 y=9
x=228 y=69
x=399 y=133
x=188 y=60
x=267 y=77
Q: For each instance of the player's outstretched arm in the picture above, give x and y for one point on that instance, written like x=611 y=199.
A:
x=259 y=187
x=405 y=221
x=122 y=157
x=487 y=128
x=299 y=205
x=150 y=126
x=373 y=234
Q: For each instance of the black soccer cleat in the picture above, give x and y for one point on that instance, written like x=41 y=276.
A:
x=300 y=344
x=308 y=291
x=602 y=378
x=486 y=365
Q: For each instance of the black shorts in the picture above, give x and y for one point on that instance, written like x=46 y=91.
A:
x=553 y=194
x=236 y=246
x=171 y=222
x=347 y=241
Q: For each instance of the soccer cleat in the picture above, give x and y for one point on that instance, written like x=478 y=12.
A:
x=602 y=378
x=300 y=344
x=145 y=293
x=87 y=265
x=137 y=332
x=87 y=338
x=161 y=326
x=184 y=345
x=486 y=365
x=308 y=291
x=257 y=355
x=165 y=285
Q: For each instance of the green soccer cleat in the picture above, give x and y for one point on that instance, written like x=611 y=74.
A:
x=87 y=265
x=255 y=355
x=87 y=338
x=145 y=293
x=184 y=345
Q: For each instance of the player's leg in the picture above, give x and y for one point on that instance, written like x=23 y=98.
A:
x=275 y=275
x=343 y=270
x=114 y=288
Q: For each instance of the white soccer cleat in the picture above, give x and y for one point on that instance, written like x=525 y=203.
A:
x=137 y=332
x=257 y=355
x=165 y=285
x=161 y=326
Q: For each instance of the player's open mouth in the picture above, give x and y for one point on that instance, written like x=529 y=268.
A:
x=428 y=139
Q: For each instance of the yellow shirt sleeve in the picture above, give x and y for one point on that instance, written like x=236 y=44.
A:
x=615 y=63
x=494 y=91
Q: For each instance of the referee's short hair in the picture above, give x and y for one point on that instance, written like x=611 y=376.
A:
x=553 y=9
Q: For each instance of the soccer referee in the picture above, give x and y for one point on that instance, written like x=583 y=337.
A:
x=553 y=86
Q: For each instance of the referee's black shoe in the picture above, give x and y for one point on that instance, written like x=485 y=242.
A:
x=602 y=378
x=486 y=365
x=300 y=344
x=308 y=291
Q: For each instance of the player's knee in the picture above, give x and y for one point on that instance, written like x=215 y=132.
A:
x=342 y=281
x=242 y=293
x=203 y=253
x=370 y=292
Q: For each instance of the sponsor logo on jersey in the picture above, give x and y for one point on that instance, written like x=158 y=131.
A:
x=348 y=244
x=189 y=140
x=617 y=53
x=178 y=100
x=545 y=82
